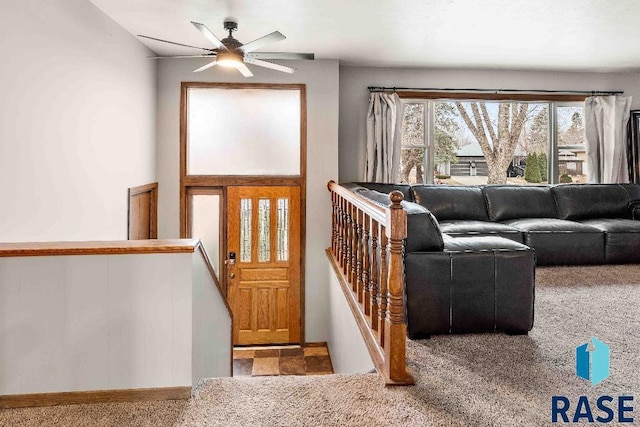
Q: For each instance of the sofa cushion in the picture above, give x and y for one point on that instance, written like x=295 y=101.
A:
x=559 y=242
x=621 y=239
x=468 y=228
x=509 y=201
x=481 y=244
x=451 y=202
x=585 y=201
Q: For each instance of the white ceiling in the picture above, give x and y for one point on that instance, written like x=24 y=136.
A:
x=593 y=35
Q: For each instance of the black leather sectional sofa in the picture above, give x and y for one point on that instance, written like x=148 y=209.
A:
x=471 y=251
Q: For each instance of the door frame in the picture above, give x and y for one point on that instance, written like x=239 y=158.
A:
x=221 y=182
x=222 y=193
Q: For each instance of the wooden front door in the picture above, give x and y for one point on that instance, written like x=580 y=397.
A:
x=263 y=264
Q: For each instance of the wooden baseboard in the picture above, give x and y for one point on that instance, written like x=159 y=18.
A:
x=97 y=396
x=316 y=344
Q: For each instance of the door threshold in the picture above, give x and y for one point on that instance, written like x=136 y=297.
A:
x=266 y=347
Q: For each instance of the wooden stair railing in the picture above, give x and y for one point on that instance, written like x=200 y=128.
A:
x=367 y=256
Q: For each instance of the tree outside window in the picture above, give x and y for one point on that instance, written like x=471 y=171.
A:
x=446 y=141
x=492 y=142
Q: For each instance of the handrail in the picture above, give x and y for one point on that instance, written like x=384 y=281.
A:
x=101 y=247
x=367 y=255
x=221 y=293
x=214 y=276
x=112 y=247
x=374 y=211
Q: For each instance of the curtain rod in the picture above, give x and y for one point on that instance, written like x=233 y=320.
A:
x=430 y=89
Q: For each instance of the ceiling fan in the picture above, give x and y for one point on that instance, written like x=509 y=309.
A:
x=229 y=52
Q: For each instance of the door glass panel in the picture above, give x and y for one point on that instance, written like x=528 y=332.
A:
x=245 y=230
x=243 y=131
x=264 y=221
x=205 y=225
x=283 y=229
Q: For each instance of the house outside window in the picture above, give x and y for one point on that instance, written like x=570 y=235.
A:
x=475 y=142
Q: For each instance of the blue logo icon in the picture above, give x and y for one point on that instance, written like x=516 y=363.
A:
x=592 y=361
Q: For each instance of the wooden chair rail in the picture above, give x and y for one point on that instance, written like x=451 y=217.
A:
x=367 y=255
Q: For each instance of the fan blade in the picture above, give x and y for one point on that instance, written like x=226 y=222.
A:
x=177 y=44
x=209 y=35
x=279 y=55
x=205 y=67
x=271 y=65
x=183 y=56
x=244 y=70
x=276 y=36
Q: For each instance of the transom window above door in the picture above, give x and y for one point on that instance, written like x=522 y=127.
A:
x=248 y=131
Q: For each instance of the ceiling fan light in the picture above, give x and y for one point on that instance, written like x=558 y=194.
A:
x=229 y=59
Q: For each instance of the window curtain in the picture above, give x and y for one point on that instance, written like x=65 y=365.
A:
x=606 y=120
x=384 y=122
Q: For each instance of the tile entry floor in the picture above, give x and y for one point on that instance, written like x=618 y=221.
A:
x=290 y=360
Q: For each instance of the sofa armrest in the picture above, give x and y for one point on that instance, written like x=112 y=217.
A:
x=634 y=209
x=423 y=230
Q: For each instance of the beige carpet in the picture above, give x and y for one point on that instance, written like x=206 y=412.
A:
x=479 y=380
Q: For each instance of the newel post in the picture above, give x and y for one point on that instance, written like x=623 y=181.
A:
x=395 y=328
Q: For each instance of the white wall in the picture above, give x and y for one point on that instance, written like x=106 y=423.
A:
x=212 y=351
x=321 y=78
x=106 y=322
x=349 y=353
x=354 y=95
x=77 y=121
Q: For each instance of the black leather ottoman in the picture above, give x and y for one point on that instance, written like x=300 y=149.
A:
x=477 y=284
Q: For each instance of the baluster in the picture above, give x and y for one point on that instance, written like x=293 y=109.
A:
x=343 y=234
x=366 y=264
x=373 y=276
x=354 y=249
x=348 y=246
x=382 y=293
x=338 y=219
x=339 y=236
x=359 y=256
x=395 y=328
x=334 y=225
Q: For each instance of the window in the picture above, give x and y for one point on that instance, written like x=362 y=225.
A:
x=571 y=149
x=250 y=131
x=232 y=134
x=470 y=142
